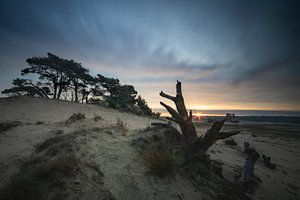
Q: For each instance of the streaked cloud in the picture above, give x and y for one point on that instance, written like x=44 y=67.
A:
x=226 y=52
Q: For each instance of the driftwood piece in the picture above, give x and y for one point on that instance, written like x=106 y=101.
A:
x=195 y=146
x=248 y=168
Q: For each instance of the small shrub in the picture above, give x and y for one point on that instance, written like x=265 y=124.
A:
x=39 y=123
x=97 y=117
x=121 y=125
x=76 y=117
x=230 y=142
x=159 y=162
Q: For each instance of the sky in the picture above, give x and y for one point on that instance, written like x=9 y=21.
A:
x=228 y=54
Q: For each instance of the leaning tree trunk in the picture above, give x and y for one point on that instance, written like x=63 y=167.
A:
x=196 y=147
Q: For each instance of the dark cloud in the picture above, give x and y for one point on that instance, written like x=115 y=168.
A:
x=288 y=68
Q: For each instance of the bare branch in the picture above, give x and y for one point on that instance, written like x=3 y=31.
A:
x=223 y=135
x=173 y=113
x=172 y=119
x=216 y=127
x=167 y=96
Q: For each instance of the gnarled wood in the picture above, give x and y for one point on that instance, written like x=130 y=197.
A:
x=197 y=146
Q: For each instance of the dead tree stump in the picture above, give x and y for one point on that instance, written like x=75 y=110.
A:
x=195 y=147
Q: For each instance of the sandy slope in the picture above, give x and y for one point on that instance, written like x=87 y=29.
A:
x=110 y=148
x=282 y=183
x=124 y=172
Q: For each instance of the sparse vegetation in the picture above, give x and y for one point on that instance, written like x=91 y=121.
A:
x=97 y=117
x=82 y=131
x=159 y=162
x=120 y=123
x=58 y=132
x=76 y=117
x=58 y=144
x=54 y=172
x=231 y=142
x=121 y=126
x=39 y=174
x=8 y=125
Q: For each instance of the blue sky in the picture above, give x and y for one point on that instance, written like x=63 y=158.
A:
x=228 y=54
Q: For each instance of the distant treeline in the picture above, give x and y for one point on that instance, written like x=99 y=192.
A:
x=273 y=119
x=59 y=78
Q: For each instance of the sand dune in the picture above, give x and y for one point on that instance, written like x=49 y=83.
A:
x=109 y=148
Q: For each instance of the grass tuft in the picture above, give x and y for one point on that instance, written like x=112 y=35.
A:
x=76 y=117
x=159 y=162
x=121 y=126
x=97 y=117
x=58 y=144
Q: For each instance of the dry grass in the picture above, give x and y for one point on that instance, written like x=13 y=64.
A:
x=57 y=145
x=122 y=126
x=159 y=162
x=54 y=172
x=39 y=176
x=97 y=117
x=47 y=143
x=76 y=117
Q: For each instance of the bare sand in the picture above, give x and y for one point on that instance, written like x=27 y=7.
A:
x=124 y=172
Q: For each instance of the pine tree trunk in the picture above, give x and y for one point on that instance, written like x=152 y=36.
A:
x=76 y=91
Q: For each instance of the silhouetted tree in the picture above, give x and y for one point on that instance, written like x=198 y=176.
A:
x=58 y=75
x=78 y=77
x=122 y=96
x=25 y=87
x=142 y=104
x=110 y=85
x=50 y=71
